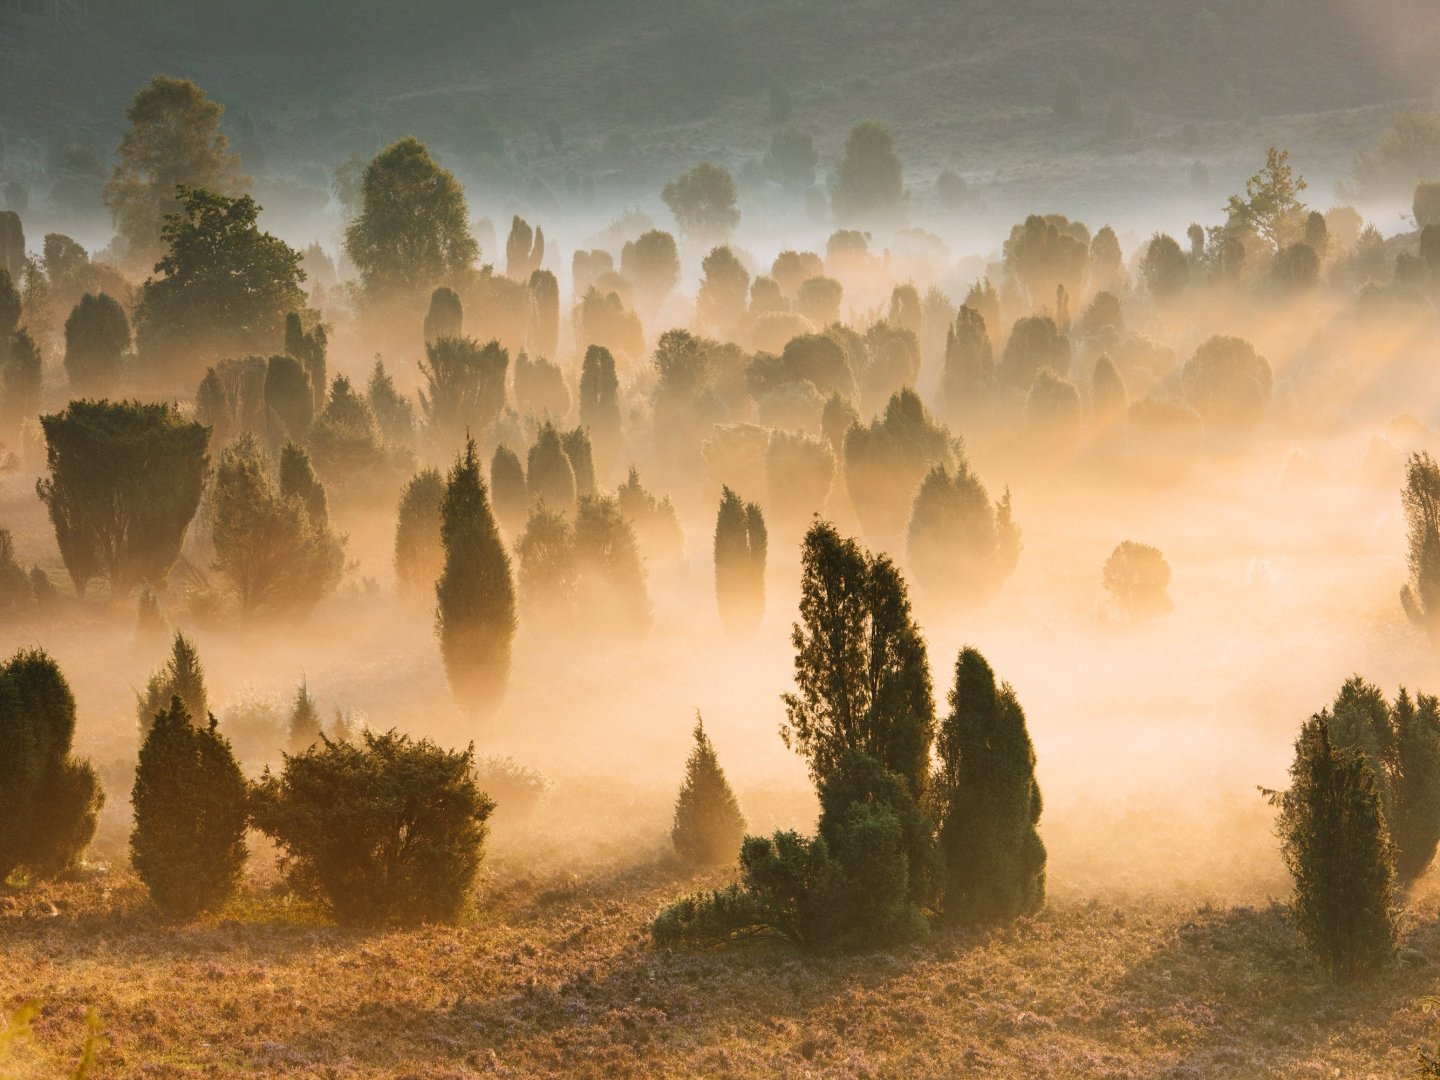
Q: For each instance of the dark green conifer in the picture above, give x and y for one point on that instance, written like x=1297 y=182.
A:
x=188 y=843
x=708 y=824
x=740 y=552
x=49 y=800
x=549 y=475
x=475 y=615
x=304 y=726
x=419 y=558
x=988 y=801
x=1335 y=844
x=183 y=676
x=861 y=670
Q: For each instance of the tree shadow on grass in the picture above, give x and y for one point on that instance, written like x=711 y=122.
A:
x=1238 y=995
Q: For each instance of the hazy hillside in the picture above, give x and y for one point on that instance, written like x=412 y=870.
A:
x=534 y=104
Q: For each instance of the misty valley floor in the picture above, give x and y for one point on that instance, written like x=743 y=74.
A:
x=554 y=975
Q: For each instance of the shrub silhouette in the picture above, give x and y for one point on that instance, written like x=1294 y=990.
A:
x=988 y=801
x=740 y=547
x=1336 y=847
x=475 y=615
x=1137 y=577
x=509 y=492
x=188 y=843
x=419 y=557
x=708 y=825
x=386 y=830
x=1401 y=743
x=125 y=482
x=445 y=317
x=97 y=336
x=1420 y=501
x=961 y=547
x=303 y=726
x=861 y=672
x=49 y=799
x=273 y=542
x=182 y=677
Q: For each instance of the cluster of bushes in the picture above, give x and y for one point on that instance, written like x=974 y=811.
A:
x=1360 y=821
x=920 y=820
x=375 y=828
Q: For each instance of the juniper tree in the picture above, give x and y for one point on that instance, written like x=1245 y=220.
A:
x=188 y=842
x=508 y=491
x=723 y=291
x=612 y=586
x=656 y=524
x=1227 y=383
x=540 y=388
x=524 y=249
x=22 y=381
x=652 y=262
x=1413 y=810
x=310 y=348
x=349 y=450
x=475 y=595
x=549 y=475
x=419 y=558
x=581 y=456
x=303 y=728
x=543 y=335
x=988 y=801
x=861 y=672
x=549 y=576
x=49 y=799
x=150 y=627
x=799 y=471
x=297 y=478
x=270 y=545
x=182 y=677
x=708 y=824
x=1401 y=743
x=961 y=547
x=885 y=847
x=445 y=317
x=1420 y=501
x=125 y=481
x=740 y=550
x=860 y=883
x=15 y=594
x=97 y=335
x=464 y=386
x=1109 y=403
x=380 y=830
x=394 y=412
x=600 y=403
x=1137 y=577
x=1335 y=844
x=886 y=461
x=289 y=400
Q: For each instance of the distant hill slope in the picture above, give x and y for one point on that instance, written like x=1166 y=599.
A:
x=637 y=88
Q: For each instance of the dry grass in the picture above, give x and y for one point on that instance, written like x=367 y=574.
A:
x=553 y=974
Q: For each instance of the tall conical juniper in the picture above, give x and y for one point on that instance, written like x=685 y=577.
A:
x=988 y=801
x=1335 y=844
x=188 y=844
x=740 y=552
x=708 y=824
x=475 y=612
